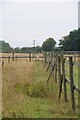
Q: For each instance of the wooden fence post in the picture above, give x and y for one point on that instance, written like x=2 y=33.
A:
x=74 y=57
x=30 y=57
x=63 y=75
x=8 y=59
x=2 y=63
x=60 y=78
x=59 y=69
x=55 y=70
x=50 y=60
x=71 y=82
x=13 y=56
x=16 y=57
x=52 y=65
x=44 y=60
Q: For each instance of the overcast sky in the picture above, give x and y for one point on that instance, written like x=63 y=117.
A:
x=22 y=22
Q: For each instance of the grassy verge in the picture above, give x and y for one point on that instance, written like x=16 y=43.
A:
x=26 y=93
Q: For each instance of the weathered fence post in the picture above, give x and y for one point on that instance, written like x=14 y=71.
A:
x=45 y=58
x=29 y=56
x=2 y=63
x=59 y=69
x=8 y=59
x=60 y=78
x=50 y=57
x=63 y=75
x=74 y=57
x=13 y=56
x=16 y=57
x=33 y=56
x=55 y=68
x=52 y=64
x=71 y=82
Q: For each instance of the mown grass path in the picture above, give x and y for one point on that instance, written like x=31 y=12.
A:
x=26 y=93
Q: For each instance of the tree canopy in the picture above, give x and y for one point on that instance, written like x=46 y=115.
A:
x=36 y=49
x=5 y=47
x=49 y=44
x=71 y=42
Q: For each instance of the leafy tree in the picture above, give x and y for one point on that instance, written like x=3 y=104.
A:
x=71 y=42
x=31 y=49
x=49 y=44
x=38 y=49
x=5 y=47
x=17 y=50
x=25 y=49
x=0 y=46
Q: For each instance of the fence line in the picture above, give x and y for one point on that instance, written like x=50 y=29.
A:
x=57 y=62
x=14 y=57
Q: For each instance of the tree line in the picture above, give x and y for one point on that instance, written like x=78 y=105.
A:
x=69 y=42
x=6 y=48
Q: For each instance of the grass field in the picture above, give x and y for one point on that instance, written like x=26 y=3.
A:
x=26 y=93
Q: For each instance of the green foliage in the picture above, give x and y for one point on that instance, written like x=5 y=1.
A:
x=49 y=44
x=36 y=49
x=17 y=49
x=5 y=47
x=71 y=42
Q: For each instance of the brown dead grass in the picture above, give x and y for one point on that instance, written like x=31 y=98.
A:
x=16 y=73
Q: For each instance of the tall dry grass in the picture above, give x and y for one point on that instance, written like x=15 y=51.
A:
x=14 y=75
